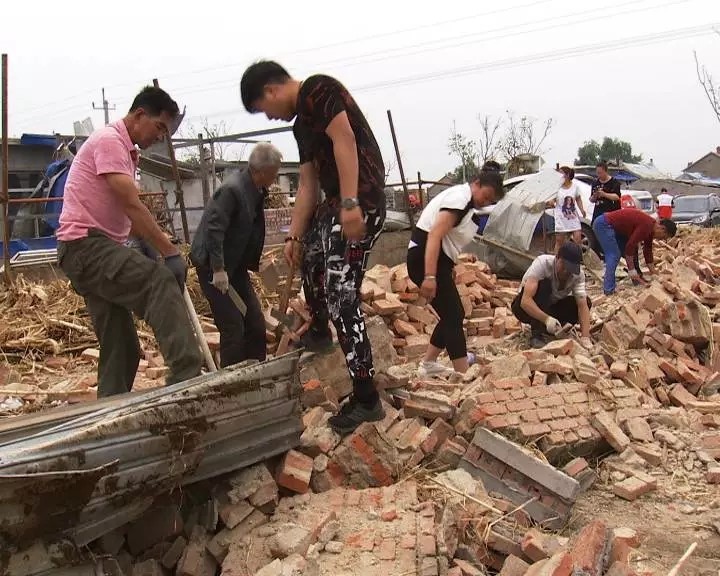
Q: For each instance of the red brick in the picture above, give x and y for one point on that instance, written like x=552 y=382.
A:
x=537 y=545
x=538 y=392
x=588 y=551
x=521 y=405
x=585 y=432
x=364 y=540
x=571 y=411
x=510 y=383
x=494 y=409
x=497 y=422
x=295 y=472
x=605 y=424
x=534 y=430
x=626 y=535
x=540 y=379
x=550 y=401
x=442 y=429
x=517 y=394
x=501 y=395
x=559 y=412
x=408 y=541
x=571 y=437
x=387 y=550
x=712 y=476
x=575 y=467
x=426 y=545
x=530 y=416
x=578 y=397
x=632 y=488
x=544 y=414
x=555 y=438
x=679 y=395
x=514 y=566
x=487 y=397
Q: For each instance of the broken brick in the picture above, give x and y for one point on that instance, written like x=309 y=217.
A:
x=605 y=424
x=295 y=472
x=632 y=488
x=589 y=549
x=638 y=429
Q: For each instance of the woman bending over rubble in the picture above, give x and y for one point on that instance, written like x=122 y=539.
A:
x=445 y=227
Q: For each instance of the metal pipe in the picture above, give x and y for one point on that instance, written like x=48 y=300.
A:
x=5 y=172
x=178 y=182
x=60 y=198
x=402 y=172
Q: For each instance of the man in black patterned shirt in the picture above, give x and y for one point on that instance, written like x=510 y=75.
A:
x=331 y=239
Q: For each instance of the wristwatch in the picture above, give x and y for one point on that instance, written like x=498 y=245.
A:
x=349 y=203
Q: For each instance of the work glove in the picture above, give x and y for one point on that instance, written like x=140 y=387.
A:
x=586 y=342
x=552 y=325
x=221 y=281
x=176 y=264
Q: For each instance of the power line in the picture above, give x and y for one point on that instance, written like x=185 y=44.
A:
x=610 y=46
x=345 y=62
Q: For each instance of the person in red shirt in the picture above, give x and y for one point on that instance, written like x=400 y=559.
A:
x=638 y=228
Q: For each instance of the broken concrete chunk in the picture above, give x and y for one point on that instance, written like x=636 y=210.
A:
x=291 y=539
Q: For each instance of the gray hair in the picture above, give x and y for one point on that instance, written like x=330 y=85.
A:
x=264 y=156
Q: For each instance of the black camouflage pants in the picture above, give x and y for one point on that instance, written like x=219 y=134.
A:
x=116 y=281
x=333 y=271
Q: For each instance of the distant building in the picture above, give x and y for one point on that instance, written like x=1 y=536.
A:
x=443 y=184
x=708 y=165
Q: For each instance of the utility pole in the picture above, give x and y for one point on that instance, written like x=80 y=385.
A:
x=105 y=107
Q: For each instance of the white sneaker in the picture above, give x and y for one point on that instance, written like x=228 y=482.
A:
x=429 y=369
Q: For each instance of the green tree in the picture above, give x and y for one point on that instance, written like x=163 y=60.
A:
x=466 y=152
x=611 y=150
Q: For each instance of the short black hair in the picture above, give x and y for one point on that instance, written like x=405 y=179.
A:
x=155 y=101
x=256 y=77
x=602 y=164
x=491 y=178
x=491 y=166
x=663 y=189
x=669 y=226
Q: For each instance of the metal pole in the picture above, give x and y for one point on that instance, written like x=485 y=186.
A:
x=178 y=183
x=5 y=172
x=420 y=191
x=203 y=171
x=212 y=164
x=402 y=172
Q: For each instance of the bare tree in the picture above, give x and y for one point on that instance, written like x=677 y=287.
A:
x=489 y=144
x=524 y=136
x=208 y=131
x=711 y=89
x=390 y=165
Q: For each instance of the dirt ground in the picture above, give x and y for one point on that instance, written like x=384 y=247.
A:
x=667 y=522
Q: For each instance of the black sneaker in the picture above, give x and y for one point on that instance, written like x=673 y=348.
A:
x=316 y=342
x=536 y=341
x=348 y=406
x=347 y=422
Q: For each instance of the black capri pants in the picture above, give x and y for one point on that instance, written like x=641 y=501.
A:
x=448 y=334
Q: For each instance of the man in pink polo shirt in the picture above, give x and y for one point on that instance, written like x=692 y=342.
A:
x=101 y=206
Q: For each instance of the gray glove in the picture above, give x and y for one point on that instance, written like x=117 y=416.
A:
x=176 y=264
x=221 y=281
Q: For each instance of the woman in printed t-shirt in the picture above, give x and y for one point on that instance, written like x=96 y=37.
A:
x=566 y=204
x=445 y=227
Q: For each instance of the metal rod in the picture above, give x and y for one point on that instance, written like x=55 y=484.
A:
x=402 y=172
x=5 y=172
x=178 y=183
x=236 y=137
x=420 y=191
x=60 y=198
x=212 y=165
x=203 y=171
x=189 y=144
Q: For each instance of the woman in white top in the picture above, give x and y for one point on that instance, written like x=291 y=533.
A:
x=567 y=203
x=445 y=227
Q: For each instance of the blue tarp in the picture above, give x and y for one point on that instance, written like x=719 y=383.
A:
x=38 y=140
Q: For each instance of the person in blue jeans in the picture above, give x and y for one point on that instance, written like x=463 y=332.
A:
x=639 y=228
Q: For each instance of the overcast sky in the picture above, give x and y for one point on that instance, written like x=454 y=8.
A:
x=432 y=63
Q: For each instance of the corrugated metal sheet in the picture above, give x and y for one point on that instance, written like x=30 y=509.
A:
x=516 y=216
x=92 y=474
